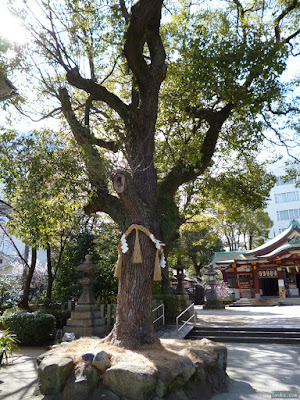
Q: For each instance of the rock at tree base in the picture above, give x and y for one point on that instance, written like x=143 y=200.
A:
x=131 y=381
x=53 y=373
x=174 y=370
x=81 y=384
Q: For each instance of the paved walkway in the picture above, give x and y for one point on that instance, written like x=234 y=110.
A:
x=18 y=378
x=254 y=370
x=280 y=316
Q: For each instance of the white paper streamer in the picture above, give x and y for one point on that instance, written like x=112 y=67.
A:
x=162 y=260
x=158 y=244
x=124 y=244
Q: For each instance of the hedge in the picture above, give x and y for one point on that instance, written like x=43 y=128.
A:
x=61 y=316
x=31 y=328
x=172 y=305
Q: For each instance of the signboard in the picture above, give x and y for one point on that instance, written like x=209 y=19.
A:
x=245 y=285
x=281 y=292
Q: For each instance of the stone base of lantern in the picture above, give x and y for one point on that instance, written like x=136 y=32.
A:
x=86 y=320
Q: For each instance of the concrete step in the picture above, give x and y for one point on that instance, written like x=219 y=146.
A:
x=246 y=339
x=247 y=334
x=246 y=329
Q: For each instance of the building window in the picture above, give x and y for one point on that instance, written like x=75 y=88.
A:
x=281 y=230
x=288 y=196
x=280 y=181
x=288 y=214
x=1 y=261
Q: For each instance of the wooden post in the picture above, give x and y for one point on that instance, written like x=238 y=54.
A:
x=256 y=280
x=236 y=285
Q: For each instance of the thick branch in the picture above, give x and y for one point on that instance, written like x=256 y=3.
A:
x=109 y=145
x=104 y=202
x=124 y=11
x=98 y=92
x=144 y=28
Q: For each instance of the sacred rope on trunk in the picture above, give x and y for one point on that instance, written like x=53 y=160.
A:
x=137 y=254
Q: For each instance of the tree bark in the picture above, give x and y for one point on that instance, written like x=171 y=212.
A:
x=133 y=326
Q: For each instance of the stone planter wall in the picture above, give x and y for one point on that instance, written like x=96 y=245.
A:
x=195 y=376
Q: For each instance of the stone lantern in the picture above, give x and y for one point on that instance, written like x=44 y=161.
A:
x=180 y=276
x=86 y=319
x=211 y=273
x=212 y=300
x=87 y=280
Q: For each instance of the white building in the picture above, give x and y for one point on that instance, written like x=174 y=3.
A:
x=284 y=203
x=8 y=265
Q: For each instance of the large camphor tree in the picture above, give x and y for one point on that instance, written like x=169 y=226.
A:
x=147 y=124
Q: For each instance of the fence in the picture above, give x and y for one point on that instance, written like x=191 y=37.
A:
x=193 y=315
x=108 y=312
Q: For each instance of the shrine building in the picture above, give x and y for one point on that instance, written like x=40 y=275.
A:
x=272 y=269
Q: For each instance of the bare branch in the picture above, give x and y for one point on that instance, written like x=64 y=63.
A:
x=278 y=135
x=289 y=38
x=181 y=173
x=14 y=245
x=293 y=5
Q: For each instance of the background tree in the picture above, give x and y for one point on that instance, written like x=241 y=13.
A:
x=28 y=265
x=224 y=70
x=241 y=228
x=99 y=239
x=6 y=87
x=196 y=245
x=43 y=183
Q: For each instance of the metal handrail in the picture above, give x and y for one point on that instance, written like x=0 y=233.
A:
x=192 y=316
x=162 y=315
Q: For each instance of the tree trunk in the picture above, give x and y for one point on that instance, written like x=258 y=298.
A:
x=133 y=327
x=24 y=302
x=165 y=283
x=197 y=266
x=50 y=277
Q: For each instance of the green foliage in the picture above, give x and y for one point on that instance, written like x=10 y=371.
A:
x=241 y=226
x=8 y=344
x=31 y=328
x=61 y=316
x=244 y=182
x=106 y=285
x=172 y=305
x=66 y=286
x=196 y=245
x=101 y=243
x=12 y=310
x=43 y=182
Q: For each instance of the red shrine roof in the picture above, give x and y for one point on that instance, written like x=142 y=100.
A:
x=284 y=248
